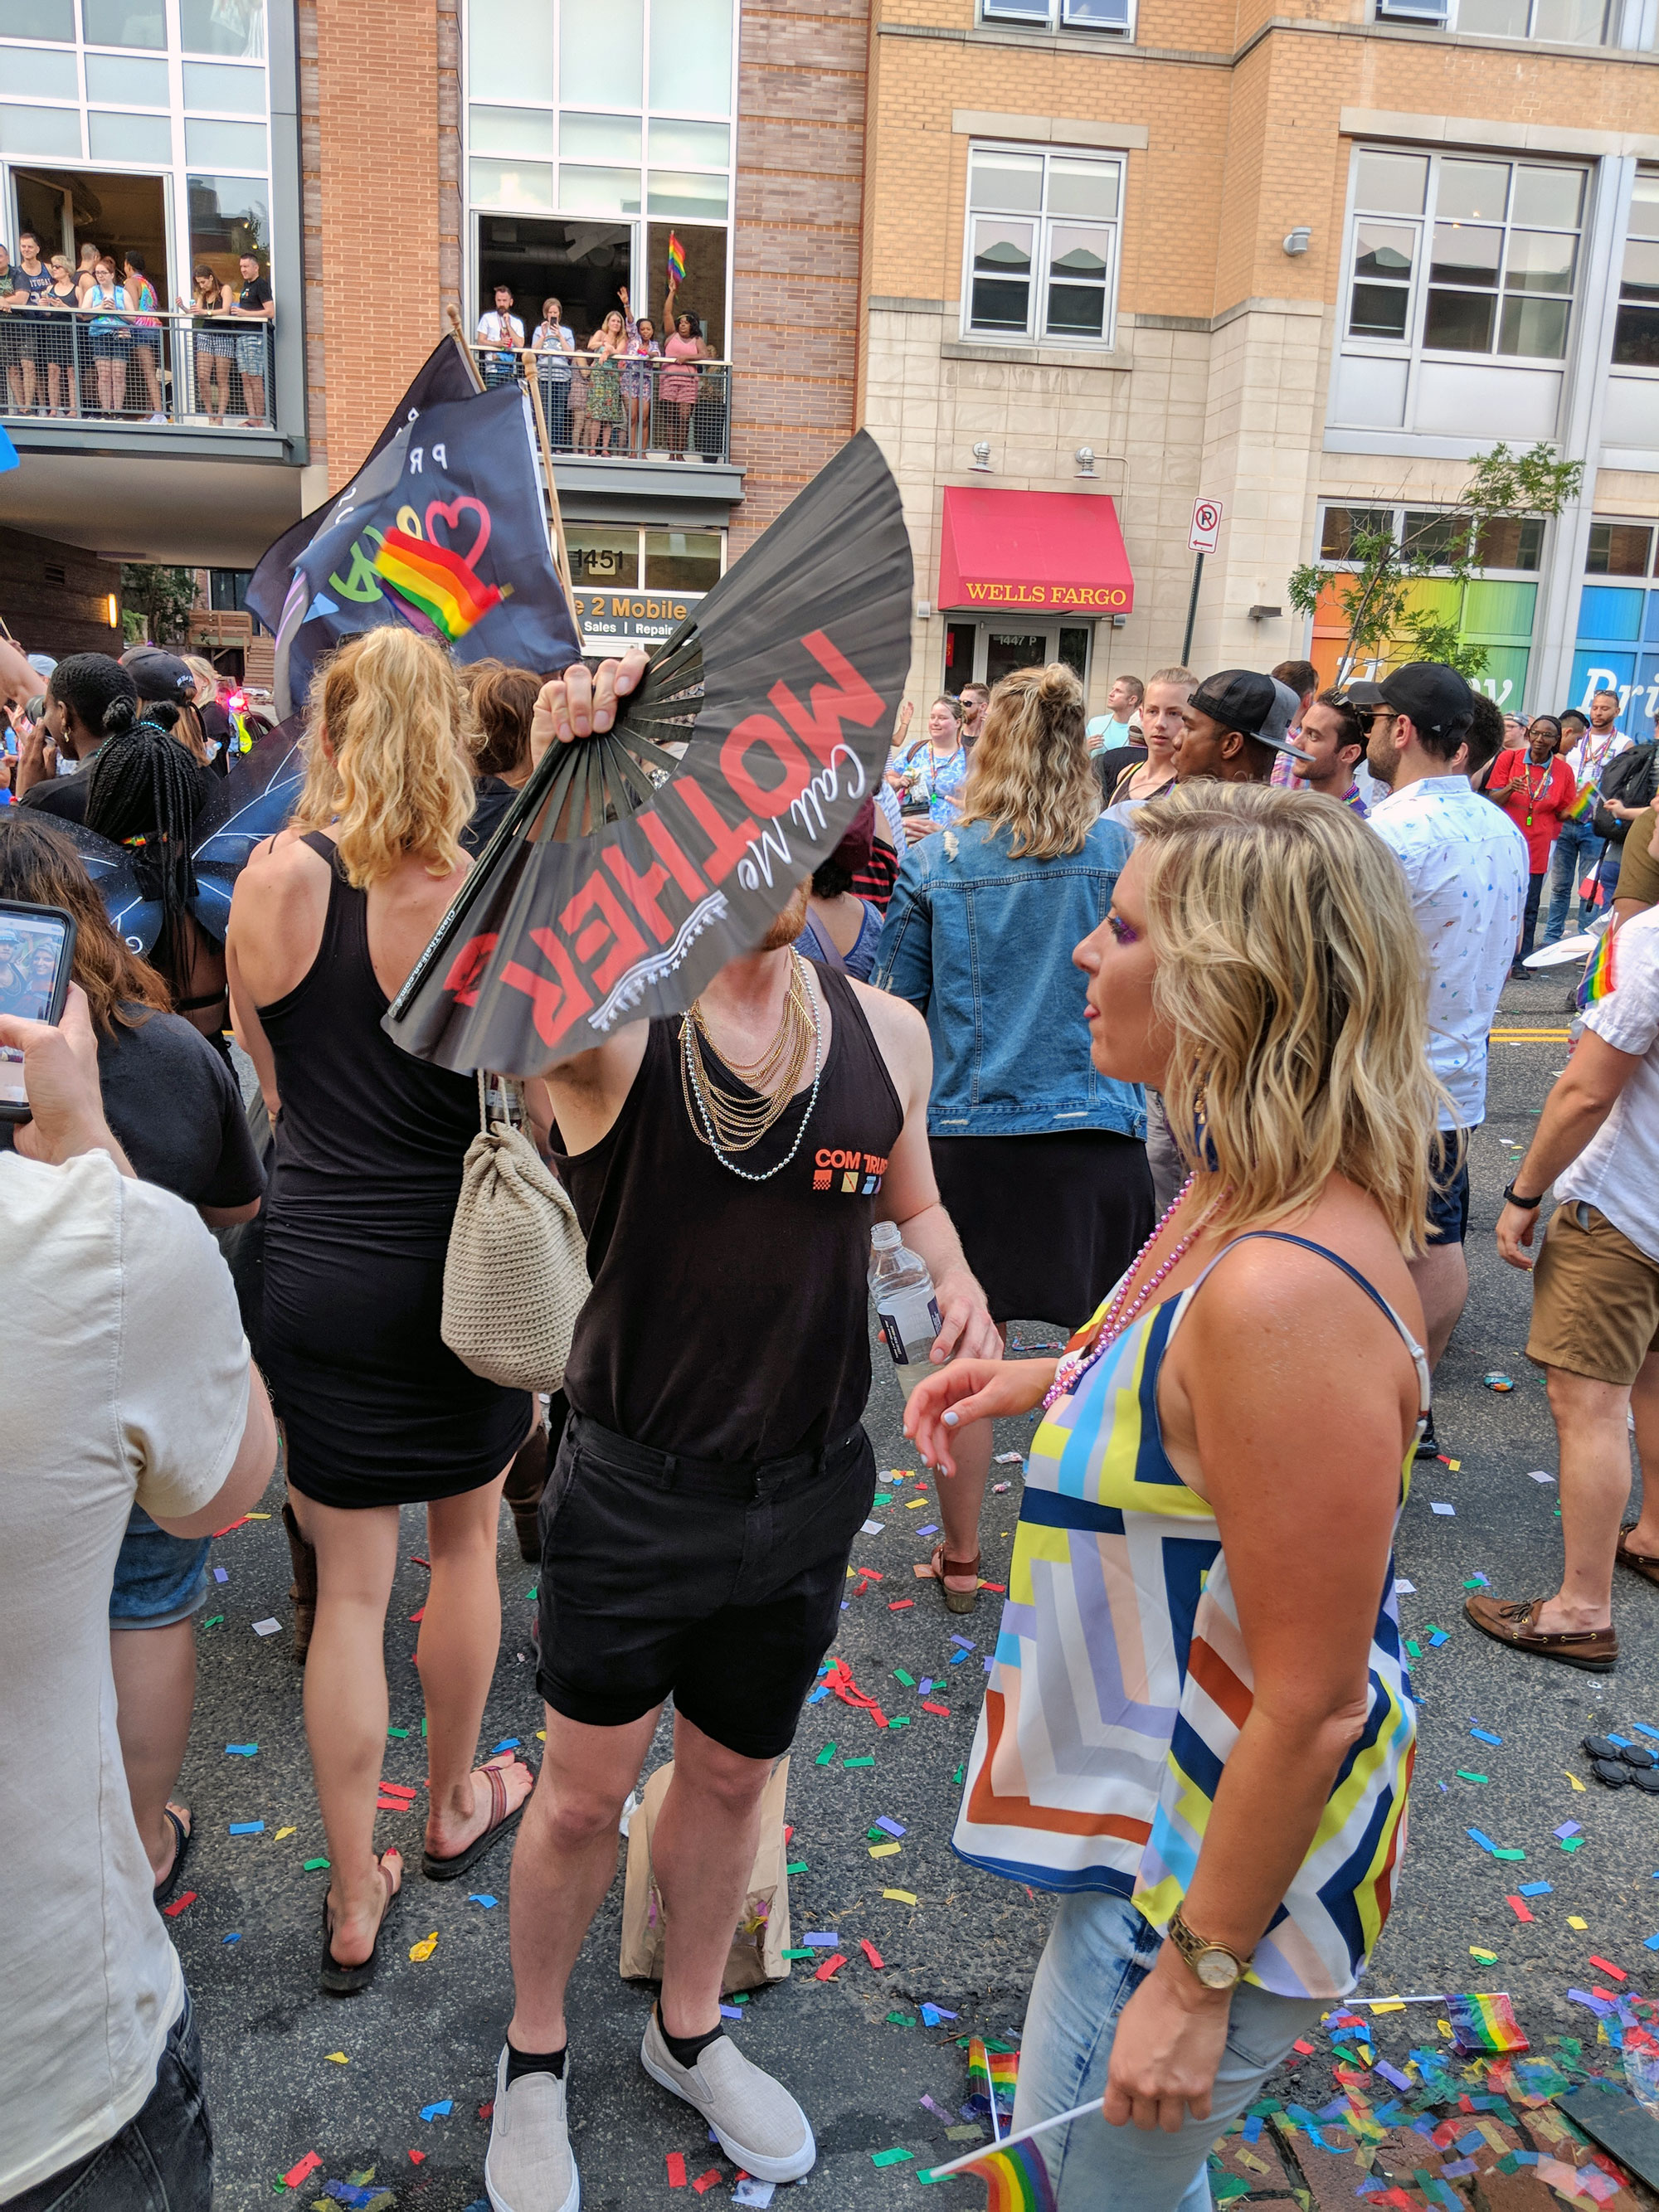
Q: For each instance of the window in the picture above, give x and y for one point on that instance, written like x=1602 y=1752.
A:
x=1111 y=15
x=228 y=590
x=1620 y=549
x=1514 y=542
x=1457 y=255
x=1572 y=22
x=1636 y=332
x=1041 y=246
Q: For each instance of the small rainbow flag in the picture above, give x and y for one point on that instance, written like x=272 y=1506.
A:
x=436 y=581
x=1582 y=806
x=1015 y=2176
x=1483 y=2024
x=993 y=2075
x=1600 y=982
x=676 y=260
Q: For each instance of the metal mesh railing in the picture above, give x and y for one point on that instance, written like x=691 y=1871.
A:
x=115 y=364
x=623 y=407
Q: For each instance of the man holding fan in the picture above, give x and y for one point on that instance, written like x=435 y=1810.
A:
x=712 y=1478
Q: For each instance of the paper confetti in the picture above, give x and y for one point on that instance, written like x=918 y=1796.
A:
x=422 y=1951
x=675 y=2164
x=247 y=1827
x=900 y=1896
x=308 y=2164
x=440 y=2110
x=173 y=1911
x=337 y=2059
x=266 y=1628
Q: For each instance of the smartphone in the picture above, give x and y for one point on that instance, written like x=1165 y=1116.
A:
x=37 y=959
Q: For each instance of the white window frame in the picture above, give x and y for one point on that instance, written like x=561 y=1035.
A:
x=1627 y=24
x=1647 y=231
x=637 y=224
x=1413 y=346
x=1033 y=334
x=1048 y=17
x=1397 y=510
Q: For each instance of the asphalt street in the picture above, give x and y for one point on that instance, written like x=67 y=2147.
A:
x=856 y=2048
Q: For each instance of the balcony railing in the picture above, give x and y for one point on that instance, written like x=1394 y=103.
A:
x=625 y=408
x=99 y=364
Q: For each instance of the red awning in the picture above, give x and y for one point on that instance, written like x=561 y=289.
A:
x=1030 y=552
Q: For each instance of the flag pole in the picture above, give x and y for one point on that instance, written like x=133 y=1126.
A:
x=462 y=347
x=1040 y=2128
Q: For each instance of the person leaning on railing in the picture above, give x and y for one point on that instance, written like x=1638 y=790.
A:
x=63 y=343
x=210 y=304
x=553 y=342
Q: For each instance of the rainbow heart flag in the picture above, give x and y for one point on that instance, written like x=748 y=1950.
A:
x=1600 y=981
x=1015 y=2176
x=435 y=581
x=992 y=2075
x=1483 y=2024
x=676 y=260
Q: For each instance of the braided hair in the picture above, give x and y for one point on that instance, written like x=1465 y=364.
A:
x=143 y=790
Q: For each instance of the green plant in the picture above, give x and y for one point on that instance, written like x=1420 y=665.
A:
x=1378 y=587
x=156 y=603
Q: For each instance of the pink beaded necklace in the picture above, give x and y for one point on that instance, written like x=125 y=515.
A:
x=1075 y=1363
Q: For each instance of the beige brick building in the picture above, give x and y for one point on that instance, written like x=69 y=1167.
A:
x=1144 y=251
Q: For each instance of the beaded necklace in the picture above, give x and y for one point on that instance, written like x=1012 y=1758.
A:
x=698 y=1105
x=1076 y=1362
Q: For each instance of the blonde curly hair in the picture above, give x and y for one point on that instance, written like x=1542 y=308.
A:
x=1290 y=976
x=387 y=751
x=1030 y=768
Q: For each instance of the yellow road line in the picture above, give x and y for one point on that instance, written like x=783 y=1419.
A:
x=1529 y=1036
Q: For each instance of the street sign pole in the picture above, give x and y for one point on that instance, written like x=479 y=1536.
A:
x=1192 y=611
x=1202 y=539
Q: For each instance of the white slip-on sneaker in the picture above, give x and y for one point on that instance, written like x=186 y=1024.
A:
x=760 y=2126
x=529 y=2167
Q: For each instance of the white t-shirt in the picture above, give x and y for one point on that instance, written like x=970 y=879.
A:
x=125 y=1377
x=1465 y=867
x=1618 y=1171
x=1589 y=758
x=495 y=329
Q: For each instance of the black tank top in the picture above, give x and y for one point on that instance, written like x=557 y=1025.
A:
x=729 y=1320
x=367 y=1134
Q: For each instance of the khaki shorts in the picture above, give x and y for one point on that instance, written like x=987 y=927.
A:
x=1595 y=1298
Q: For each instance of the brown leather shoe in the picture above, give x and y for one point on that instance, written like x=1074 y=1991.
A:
x=303 y=1588
x=1626 y=1558
x=1594 y=1650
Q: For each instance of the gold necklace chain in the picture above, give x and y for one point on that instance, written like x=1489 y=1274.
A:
x=727 y=1124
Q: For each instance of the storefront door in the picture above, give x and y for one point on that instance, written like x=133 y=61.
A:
x=983 y=652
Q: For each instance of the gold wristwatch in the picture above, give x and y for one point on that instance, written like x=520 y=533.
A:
x=1212 y=1963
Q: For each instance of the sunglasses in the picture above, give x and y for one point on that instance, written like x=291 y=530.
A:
x=1366 y=710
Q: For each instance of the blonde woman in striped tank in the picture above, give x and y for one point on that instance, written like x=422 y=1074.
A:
x=1199 y=1726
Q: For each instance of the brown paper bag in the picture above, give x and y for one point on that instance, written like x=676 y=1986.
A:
x=762 y=1935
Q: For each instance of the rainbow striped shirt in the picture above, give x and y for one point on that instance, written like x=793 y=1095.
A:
x=1120 y=1683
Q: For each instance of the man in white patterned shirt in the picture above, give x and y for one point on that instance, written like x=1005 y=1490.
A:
x=1465 y=867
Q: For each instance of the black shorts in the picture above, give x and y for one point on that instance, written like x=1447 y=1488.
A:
x=1449 y=1188
x=722 y=1584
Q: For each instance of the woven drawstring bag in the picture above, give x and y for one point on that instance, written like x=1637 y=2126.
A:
x=515 y=1276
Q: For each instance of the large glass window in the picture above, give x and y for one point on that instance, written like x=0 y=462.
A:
x=1636 y=332
x=223 y=27
x=1042 y=245
x=1617 y=645
x=682 y=560
x=604 y=555
x=1457 y=255
x=124 y=23
x=38 y=19
x=1571 y=22
x=229 y=216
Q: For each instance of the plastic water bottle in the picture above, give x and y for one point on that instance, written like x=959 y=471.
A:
x=907 y=1310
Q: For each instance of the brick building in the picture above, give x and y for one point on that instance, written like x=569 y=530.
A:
x=1074 y=262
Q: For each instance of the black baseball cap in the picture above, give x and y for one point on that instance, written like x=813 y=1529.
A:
x=1435 y=698
x=1256 y=706
x=159 y=675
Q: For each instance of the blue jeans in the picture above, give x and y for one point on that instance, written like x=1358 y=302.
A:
x=1098 y=1952
x=160 y=2162
x=1577 y=850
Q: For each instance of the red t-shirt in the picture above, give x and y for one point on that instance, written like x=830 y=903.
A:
x=1547 y=792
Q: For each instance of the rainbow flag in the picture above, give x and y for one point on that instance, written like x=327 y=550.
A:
x=1600 y=981
x=1582 y=807
x=676 y=260
x=993 y=2075
x=435 y=581
x=1483 y=2024
x=1015 y=2176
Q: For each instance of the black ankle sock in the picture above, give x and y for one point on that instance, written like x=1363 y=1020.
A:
x=534 y=2062
x=685 y=2048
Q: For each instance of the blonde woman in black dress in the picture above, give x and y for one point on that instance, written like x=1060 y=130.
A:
x=327 y=921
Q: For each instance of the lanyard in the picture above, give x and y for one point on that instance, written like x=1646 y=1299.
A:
x=1533 y=796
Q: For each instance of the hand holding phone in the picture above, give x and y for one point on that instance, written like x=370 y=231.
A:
x=37 y=961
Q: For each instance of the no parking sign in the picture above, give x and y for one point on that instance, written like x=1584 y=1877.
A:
x=1207 y=526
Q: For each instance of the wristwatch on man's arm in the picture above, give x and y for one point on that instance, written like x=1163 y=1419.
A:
x=1213 y=1965
x=1511 y=1197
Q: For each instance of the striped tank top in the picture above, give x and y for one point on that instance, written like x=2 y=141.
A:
x=1120 y=1683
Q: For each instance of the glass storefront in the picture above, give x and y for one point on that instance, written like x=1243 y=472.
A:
x=1617 y=643
x=637 y=585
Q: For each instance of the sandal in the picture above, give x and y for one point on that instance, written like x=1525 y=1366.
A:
x=1626 y=1558
x=167 y=1888
x=501 y=1822
x=956 y=1600
x=340 y=1981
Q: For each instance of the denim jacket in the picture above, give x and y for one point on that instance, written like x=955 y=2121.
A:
x=982 y=944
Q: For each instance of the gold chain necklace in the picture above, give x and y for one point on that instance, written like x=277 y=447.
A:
x=727 y=1124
